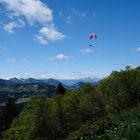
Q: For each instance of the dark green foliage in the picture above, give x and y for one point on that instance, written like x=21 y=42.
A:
x=8 y=114
x=126 y=127
x=121 y=89
x=92 y=129
x=60 y=90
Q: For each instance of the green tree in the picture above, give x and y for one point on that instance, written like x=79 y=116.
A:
x=8 y=114
x=60 y=90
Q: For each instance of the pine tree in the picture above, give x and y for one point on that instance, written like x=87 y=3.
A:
x=60 y=90
x=8 y=114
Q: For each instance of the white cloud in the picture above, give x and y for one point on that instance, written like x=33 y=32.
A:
x=138 y=49
x=86 y=50
x=9 y=27
x=62 y=57
x=83 y=14
x=11 y=60
x=68 y=19
x=86 y=76
x=32 y=10
x=51 y=33
x=75 y=12
x=41 y=39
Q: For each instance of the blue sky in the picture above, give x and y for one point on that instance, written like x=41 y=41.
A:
x=50 y=38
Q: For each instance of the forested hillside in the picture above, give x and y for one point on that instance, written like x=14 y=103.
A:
x=109 y=111
x=20 y=93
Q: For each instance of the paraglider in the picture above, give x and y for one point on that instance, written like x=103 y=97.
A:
x=91 y=37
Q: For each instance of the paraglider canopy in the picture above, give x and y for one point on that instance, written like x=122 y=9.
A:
x=92 y=36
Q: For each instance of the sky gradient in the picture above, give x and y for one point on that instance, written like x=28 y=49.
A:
x=50 y=38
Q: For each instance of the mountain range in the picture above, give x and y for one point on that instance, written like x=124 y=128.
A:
x=50 y=81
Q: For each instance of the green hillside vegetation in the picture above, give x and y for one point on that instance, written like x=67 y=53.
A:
x=21 y=91
x=120 y=127
x=109 y=111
